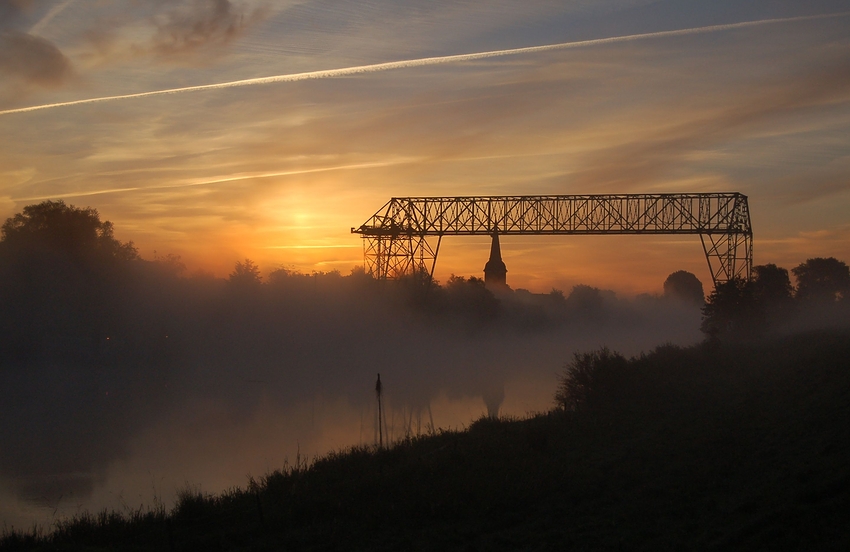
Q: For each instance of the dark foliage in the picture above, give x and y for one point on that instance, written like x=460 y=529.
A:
x=585 y=301
x=823 y=280
x=245 y=275
x=53 y=228
x=60 y=269
x=79 y=341
x=771 y=285
x=744 y=309
x=590 y=379
x=470 y=296
x=731 y=311
x=684 y=286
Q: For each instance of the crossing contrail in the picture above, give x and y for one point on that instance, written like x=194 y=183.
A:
x=44 y=21
x=421 y=62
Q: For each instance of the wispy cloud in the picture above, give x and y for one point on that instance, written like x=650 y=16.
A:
x=221 y=180
x=33 y=60
x=200 y=24
x=644 y=158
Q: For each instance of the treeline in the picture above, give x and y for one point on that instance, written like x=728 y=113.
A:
x=747 y=309
x=69 y=289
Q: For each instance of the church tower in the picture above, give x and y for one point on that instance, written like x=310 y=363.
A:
x=495 y=271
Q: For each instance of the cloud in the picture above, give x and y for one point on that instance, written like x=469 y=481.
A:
x=33 y=60
x=175 y=32
x=200 y=24
x=11 y=10
x=27 y=61
x=651 y=156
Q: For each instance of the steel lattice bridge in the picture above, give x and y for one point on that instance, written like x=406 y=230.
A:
x=404 y=236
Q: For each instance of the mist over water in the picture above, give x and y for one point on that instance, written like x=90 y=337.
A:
x=151 y=382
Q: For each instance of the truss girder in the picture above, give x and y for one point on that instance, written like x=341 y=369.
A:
x=396 y=237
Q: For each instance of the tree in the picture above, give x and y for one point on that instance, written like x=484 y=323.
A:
x=731 y=311
x=246 y=275
x=819 y=279
x=53 y=227
x=63 y=280
x=585 y=300
x=771 y=284
x=591 y=380
x=684 y=286
x=772 y=291
x=471 y=298
x=170 y=264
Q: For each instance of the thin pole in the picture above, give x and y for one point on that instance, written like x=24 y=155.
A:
x=378 y=389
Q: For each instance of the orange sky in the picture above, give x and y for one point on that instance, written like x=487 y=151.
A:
x=280 y=172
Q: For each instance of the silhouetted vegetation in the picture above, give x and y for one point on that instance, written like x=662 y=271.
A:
x=736 y=447
x=746 y=309
x=822 y=280
x=684 y=286
x=587 y=381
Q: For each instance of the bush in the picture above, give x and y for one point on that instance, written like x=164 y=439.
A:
x=589 y=380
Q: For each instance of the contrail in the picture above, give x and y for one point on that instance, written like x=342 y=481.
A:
x=410 y=63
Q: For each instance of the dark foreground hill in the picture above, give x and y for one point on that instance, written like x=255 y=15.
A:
x=709 y=447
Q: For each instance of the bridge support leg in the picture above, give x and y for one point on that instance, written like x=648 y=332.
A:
x=729 y=256
x=392 y=257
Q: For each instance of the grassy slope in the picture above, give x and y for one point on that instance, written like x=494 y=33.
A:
x=734 y=447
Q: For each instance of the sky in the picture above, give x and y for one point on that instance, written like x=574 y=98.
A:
x=691 y=96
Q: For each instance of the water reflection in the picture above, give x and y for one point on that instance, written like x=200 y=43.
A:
x=206 y=449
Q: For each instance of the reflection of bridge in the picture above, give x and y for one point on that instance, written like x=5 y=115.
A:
x=399 y=238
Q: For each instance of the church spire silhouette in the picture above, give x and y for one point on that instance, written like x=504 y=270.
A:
x=495 y=271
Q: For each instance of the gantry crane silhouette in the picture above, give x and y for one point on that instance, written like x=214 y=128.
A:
x=404 y=236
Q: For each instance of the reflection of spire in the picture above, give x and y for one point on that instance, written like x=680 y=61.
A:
x=495 y=271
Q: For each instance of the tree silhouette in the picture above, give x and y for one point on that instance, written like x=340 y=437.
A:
x=684 y=286
x=585 y=300
x=819 y=279
x=245 y=275
x=731 y=311
x=771 y=284
x=471 y=298
x=52 y=226
x=62 y=276
x=588 y=380
x=772 y=291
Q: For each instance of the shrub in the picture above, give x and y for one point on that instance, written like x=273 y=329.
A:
x=590 y=379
